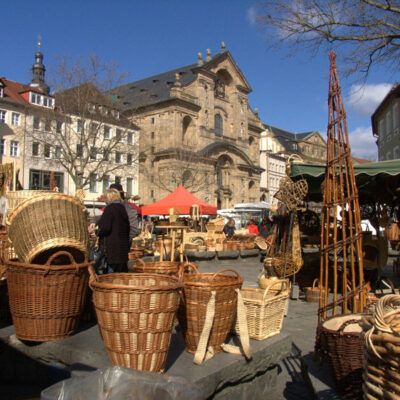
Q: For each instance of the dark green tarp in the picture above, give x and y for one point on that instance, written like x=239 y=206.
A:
x=377 y=180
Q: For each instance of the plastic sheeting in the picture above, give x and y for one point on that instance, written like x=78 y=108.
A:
x=118 y=383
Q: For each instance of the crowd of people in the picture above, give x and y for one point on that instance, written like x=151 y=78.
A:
x=262 y=228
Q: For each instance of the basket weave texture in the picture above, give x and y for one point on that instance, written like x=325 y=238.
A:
x=160 y=267
x=342 y=339
x=46 y=224
x=193 y=307
x=136 y=313
x=18 y=196
x=382 y=351
x=46 y=300
x=265 y=310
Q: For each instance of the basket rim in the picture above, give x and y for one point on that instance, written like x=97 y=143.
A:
x=43 y=196
x=337 y=331
x=175 y=283
x=44 y=267
x=234 y=280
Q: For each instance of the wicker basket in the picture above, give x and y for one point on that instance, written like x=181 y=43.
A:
x=392 y=232
x=5 y=314
x=46 y=224
x=341 y=338
x=198 y=288
x=136 y=313
x=382 y=351
x=160 y=267
x=46 y=300
x=265 y=310
x=18 y=196
x=313 y=293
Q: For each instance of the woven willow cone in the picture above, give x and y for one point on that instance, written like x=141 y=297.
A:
x=46 y=301
x=136 y=313
x=46 y=224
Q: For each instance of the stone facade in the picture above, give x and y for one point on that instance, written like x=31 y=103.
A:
x=385 y=125
x=198 y=130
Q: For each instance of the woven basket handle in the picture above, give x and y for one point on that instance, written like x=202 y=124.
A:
x=223 y=270
x=92 y=275
x=282 y=282
x=348 y=322
x=140 y=261
x=315 y=281
x=183 y=267
x=55 y=255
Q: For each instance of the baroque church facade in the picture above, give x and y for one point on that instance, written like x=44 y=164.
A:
x=196 y=129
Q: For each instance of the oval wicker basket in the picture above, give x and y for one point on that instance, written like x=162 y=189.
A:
x=192 y=310
x=136 y=313
x=312 y=294
x=46 y=301
x=46 y=224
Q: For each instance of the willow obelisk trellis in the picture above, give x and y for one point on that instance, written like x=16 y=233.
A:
x=341 y=247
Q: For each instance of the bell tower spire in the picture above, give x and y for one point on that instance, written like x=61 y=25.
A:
x=38 y=71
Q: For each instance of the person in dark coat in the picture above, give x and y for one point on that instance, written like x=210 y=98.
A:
x=229 y=228
x=114 y=232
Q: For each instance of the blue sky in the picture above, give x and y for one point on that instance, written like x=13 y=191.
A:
x=149 y=37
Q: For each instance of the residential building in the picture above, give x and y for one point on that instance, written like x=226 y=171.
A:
x=197 y=129
x=385 y=125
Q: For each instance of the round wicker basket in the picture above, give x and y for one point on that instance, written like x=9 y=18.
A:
x=46 y=224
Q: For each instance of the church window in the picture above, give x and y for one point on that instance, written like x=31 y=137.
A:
x=218 y=124
x=219 y=88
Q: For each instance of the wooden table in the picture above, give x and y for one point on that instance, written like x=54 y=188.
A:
x=174 y=229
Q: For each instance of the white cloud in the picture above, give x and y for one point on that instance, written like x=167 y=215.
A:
x=364 y=99
x=363 y=144
x=252 y=15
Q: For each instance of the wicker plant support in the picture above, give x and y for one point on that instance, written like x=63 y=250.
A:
x=207 y=311
x=313 y=293
x=382 y=351
x=46 y=301
x=46 y=224
x=136 y=313
x=341 y=338
x=291 y=193
x=265 y=309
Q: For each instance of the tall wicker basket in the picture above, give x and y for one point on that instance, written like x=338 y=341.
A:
x=136 y=313
x=198 y=288
x=341 y=338
x=46 y=224
x=46 y=301
x=382 y=351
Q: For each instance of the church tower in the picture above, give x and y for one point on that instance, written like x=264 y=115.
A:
x=38 y=71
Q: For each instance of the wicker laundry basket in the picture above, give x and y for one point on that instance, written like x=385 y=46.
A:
x=265 y=309
x=46 y=224
x=136 y=313
x=46 y=301
x=198 y=288
x=382 y=351
x=341 y=338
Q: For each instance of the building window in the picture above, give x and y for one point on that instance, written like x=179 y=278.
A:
x=381 y=128
x=14 y=148
x=36 y=99
x=130 y=137
x=1 y=91
x=218 y=125
x=129 y=159
x=152 y=193
x=41 y=180
x=395 y=115
x=118 y=135
x=106 y=155
x=396 y=153
x=129 y=186
x=3 y=115
x=152 y=120
x=152 y=149
x=106 y=182
x=118 y=157
x=388 y=123
x=57 y=152
x=93 y=153
x=107 y=132
x=35 y=149
x=79 y=150
x=47 y=125
x=152 y=135
x=15 y=119
x=59 y=126
x=93 y=183
x=94 y=128
x=36 y=123
x=79 y=126
x=3 y=146
x=47 y=151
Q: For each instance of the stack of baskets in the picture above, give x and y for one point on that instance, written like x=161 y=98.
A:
x=382 y=351
x=265 y=309
x=46 y=301
x=136 y=313
x=341 y=339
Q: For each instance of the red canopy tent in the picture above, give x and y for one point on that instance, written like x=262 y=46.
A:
x=181 y=200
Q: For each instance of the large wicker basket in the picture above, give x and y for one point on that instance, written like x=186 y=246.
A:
x=198 y=288
x=18 y=196
x=382 y=351
x=46 y=300
x=46 y=224
x=265 y=310
x=341 y=338
x=136 y=313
